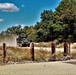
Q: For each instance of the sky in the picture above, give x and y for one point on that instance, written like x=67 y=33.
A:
x=23 y=12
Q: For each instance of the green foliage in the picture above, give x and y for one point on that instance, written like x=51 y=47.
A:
x=47 y=15
x=60 y=24
x=32 y=34
x=66 y=13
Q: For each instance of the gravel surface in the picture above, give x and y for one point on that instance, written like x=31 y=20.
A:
x=42 y=68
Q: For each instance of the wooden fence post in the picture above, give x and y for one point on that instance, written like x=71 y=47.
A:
x=4 y=52
x=53 y=50
x=32 y=51
x=69 y=48
x=65 y=48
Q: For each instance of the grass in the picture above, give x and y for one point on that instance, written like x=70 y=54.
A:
x=16 y=54
x=21 y=54
x=48 y=44
x=74 y=46
x=43 y=44
x=59 y=55
x=42 y=55
x=73 y=54
x=60 y=45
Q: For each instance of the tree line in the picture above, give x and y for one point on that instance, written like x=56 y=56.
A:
x=59 y=25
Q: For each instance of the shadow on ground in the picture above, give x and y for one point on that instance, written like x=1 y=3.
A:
x=71 y=62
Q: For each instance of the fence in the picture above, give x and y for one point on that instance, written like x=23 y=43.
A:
x=32 y=51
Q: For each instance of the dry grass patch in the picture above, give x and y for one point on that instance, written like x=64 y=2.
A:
x=74 y=45
x=43 y=44
x=22 y=54
x=16 y=54
x=41 y=55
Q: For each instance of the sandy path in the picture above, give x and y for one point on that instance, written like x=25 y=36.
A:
x=45 y=68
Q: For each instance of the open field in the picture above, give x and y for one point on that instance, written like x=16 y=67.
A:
x=19 y=54
x=42 y=68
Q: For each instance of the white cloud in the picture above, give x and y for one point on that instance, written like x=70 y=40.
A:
x=1 y=20
x=22 y=5
x=22 y=25
x=8 y=7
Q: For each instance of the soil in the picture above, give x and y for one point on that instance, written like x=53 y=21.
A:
x=43 y=68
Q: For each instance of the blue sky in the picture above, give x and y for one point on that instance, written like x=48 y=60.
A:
x=23 y=12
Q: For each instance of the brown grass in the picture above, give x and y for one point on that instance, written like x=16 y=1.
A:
x=43 y=44
x=22 y=54
x=16 y=54
x=74 y=45
x=42 y=55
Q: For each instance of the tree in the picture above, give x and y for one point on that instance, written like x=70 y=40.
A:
x=16 y=30
x=47 y=15
x=32 y=34
x=66 y=13
x=60 y=24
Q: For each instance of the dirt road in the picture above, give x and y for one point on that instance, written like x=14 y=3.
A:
x=42 y=68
